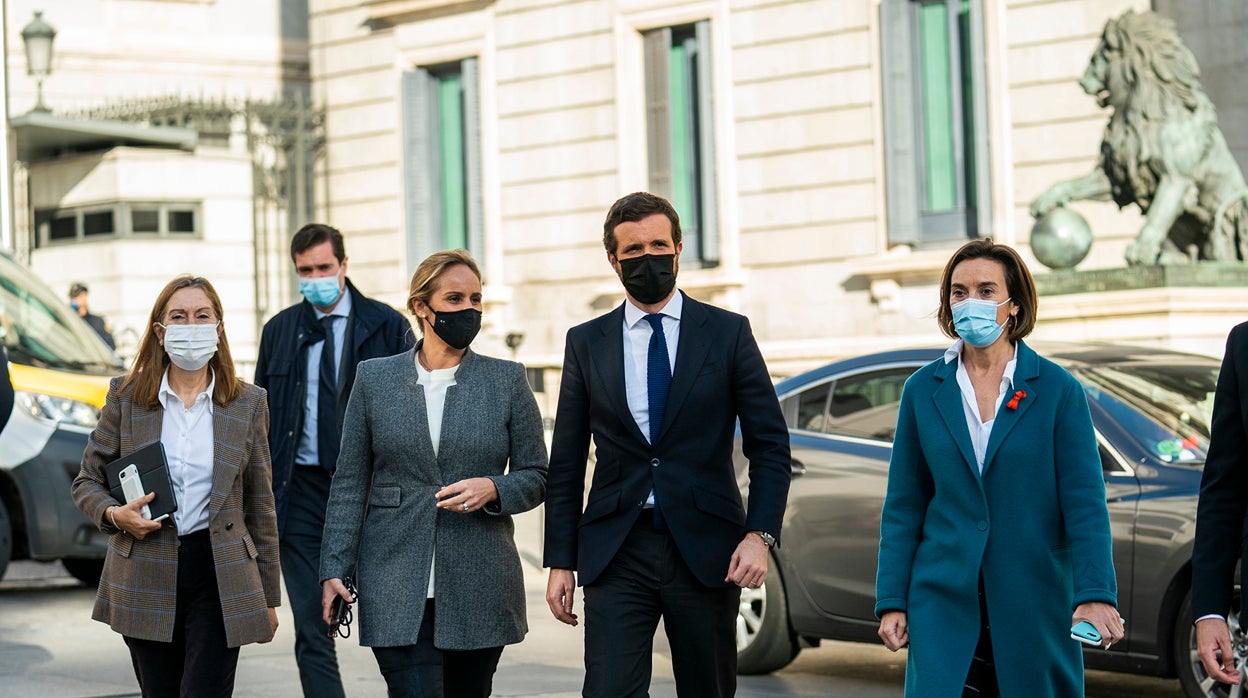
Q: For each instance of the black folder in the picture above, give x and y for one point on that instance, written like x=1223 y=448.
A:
x=153 y=473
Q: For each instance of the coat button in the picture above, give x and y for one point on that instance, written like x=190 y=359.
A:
x=654 y=462
x=229 y=526
x=983 y=525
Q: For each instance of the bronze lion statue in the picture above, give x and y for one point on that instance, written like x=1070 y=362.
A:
x=1162 y=149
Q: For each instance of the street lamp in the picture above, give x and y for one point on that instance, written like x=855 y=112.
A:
x=38 y=36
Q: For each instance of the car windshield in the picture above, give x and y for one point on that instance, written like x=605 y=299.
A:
x=39 y=329
x=1167 y=409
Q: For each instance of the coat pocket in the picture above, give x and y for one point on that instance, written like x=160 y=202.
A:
x=121 y=543
x=250 y=546
x=600 y=507
x=385 y=496
x=721 y=505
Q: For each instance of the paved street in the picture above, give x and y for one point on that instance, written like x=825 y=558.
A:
x=51 y=649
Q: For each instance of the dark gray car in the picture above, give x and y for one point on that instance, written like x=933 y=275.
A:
x=1151 y=409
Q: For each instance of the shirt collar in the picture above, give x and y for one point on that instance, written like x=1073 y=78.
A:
x=634 y=315
x=955 y=352
x=166 y=394
x=343 y=309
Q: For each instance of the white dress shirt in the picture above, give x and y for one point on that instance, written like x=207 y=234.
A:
x=979 y=429
x=187 y=435
x=435 y=383
x=307 y=453
x=637 y=331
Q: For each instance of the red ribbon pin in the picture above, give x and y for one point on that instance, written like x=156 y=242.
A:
x=1018 y=395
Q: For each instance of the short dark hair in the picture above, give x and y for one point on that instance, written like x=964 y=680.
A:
x=634 y=207
x=314 y=234
x=1018 y=283
x=77 y=289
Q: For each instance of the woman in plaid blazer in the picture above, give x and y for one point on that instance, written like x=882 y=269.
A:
x=188 y=591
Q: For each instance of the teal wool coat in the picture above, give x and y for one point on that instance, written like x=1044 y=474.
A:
x=1035 y=523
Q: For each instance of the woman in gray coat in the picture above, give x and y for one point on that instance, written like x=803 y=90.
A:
x=440 y=446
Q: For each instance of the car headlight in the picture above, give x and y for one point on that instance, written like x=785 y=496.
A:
x=61 y=410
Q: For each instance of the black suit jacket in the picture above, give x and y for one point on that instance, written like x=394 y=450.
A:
x=719 y=378
x=1220 y=520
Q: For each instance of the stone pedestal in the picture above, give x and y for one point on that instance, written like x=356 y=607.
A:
x=1188 y=307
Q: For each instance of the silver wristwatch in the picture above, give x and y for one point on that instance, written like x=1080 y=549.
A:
x=768 y=539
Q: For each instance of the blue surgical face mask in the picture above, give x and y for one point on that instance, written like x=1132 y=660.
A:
x=975 y=321
x=322 y=291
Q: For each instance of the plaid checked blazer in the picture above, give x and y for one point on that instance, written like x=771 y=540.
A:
x=138 y=590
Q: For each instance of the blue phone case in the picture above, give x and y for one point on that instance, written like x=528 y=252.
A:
x=1085 y=632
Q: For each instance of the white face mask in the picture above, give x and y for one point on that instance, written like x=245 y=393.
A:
x=190 y=346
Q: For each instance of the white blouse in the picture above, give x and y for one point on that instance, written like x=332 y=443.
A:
x=435 y=383
x=979 y=429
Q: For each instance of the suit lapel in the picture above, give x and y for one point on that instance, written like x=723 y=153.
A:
x=691 y=351
x=948 y=402
x=145 y=427
x=225 y=472
x=1027 y=367
x=418 y=414
x=609 y=365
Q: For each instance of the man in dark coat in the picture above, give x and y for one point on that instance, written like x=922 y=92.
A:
x=308 y=390
x=660 y=384
x=78 y=298
x=1220 y=515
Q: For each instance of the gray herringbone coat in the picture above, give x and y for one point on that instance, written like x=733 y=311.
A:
x=382 y=510
x=137 y=596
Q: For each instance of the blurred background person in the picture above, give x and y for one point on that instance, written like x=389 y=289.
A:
x=442 y=445
x=188 y=591
x=307 y=360
x=78 y=299
x=994 y=525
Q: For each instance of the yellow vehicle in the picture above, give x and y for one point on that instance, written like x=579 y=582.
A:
x=60 y=370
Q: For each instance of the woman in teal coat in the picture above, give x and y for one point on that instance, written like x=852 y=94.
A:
x=994 y=537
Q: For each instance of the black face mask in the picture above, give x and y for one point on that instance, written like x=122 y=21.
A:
x=650 y=277
x=457 y=328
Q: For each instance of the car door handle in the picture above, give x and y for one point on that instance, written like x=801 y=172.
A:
x=796 y=468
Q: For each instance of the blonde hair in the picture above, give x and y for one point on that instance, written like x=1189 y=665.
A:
x=425 y=281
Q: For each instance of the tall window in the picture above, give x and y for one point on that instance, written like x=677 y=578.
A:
x=936 y=145
x=442 y=160
x=680 y=137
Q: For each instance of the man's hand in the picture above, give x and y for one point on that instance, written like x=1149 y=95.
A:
x=1212 y=636
x=748 y=567
x=560 y=590
x=1106 y=619
x=894 y=631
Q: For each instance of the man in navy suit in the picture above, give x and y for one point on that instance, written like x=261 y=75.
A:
x=1220 y=515
x=660 y=383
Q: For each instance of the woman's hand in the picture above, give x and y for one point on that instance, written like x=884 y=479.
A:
x=331 y=588
x=894 y=631
x=272 y=626
x=468 y=495
x=1106 y=619
x=129 y=517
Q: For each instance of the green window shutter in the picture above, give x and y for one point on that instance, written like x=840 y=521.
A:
x=656 y=45
x=451 y=170
x=941 y=175
x=709 y=234
x=421 y=198
x=474 y=208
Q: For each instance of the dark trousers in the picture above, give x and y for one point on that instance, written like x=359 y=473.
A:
x=424 y=671
x=647 y=580
x=981 y=678
x=306 y=498
x=197 y=662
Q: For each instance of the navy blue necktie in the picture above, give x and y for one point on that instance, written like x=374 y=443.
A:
x=658 y=380
x=327 y=436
